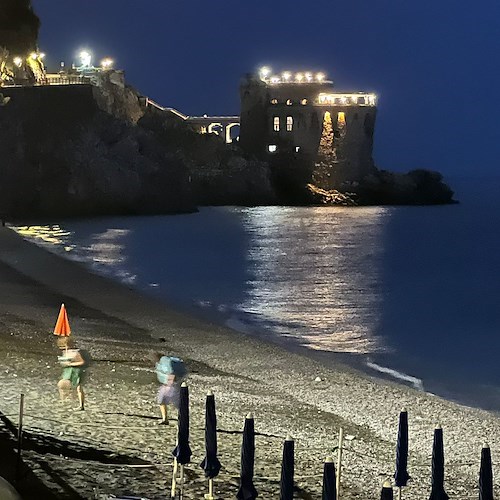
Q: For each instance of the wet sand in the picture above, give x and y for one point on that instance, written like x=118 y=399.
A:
x=115 y=446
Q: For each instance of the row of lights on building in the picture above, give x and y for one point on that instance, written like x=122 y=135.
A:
x=287 y=77
x=84 y=56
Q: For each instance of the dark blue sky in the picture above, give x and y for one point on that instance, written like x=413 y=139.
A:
x=434 y=65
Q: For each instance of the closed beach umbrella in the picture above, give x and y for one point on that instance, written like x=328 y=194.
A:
x=210 y=463
x=182 y=452
x=287 y=467
x=247 y=490
x=387 y=493
x=62 y=328
x=485 y=475
x=437 y=492
x=401 y=475
x=329 y=480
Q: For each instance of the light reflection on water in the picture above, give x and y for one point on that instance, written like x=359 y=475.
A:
x=316 y=274
x=311 y=274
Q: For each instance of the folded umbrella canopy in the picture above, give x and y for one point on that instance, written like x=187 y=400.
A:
x=485 y=475
x=437 y=492
x=401 y=475
x=182 y=452
x=247 y=490
x=62 y=324
x=287 y=469
x=387 y=493
x=210 y=463
x=329 y=480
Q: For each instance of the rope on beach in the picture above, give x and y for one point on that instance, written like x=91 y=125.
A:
x=91 y=424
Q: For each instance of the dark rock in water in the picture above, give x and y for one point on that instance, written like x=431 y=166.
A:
x=417 y=187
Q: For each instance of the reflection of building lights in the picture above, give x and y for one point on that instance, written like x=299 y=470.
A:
x=18 y=61
x=320 y=77
x=299 y=77
x=85 y=58
x=286 y=75
x=107 y=63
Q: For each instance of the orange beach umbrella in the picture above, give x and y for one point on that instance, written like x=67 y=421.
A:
x=62 y=324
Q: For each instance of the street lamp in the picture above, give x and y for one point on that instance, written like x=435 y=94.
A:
x=107 y=63
x=85 y=58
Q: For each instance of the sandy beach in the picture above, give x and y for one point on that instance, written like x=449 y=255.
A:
x=115 y=446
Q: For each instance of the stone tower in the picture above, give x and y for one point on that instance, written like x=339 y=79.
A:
x=302 y=114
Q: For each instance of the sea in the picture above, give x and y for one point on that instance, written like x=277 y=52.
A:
x=410 y=294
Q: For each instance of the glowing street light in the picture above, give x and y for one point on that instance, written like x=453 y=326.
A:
x=299 y=77
x=107 y=63
x=18 y=61
x=264 y=72
x=320 y=77
x=286 y=76
x=33 y=55
x=308 y=77
x=85 y=58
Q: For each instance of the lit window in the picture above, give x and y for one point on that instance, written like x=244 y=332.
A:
x=303 y=102
x=276 y=123
x=274 y=101
x=289 y=123
x=297 y=149
x=289 y=102
x=272 y=148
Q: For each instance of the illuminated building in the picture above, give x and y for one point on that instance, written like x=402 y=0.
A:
x=285 y=113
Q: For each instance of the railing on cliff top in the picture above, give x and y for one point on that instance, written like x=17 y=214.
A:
x=346 y=99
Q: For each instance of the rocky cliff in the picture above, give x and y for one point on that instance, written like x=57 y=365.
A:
x=62 y=154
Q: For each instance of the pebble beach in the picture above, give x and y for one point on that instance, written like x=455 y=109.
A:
x=115 y=446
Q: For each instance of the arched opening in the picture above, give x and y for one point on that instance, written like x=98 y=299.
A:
x=232 y=132
x=216 y=128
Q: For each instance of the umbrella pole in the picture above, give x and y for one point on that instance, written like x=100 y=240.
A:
x=399 y=492
x=174 y=474
x=210 y=494
x=339 y=460
x=181 y=489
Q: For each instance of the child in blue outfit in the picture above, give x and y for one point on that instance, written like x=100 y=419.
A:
x=168 y=393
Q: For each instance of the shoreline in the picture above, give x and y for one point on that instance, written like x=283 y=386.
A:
x=247 y=374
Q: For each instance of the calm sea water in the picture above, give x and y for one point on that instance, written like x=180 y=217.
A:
x=411 y=293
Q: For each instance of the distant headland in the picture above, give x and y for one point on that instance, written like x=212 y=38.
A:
x=80 y=141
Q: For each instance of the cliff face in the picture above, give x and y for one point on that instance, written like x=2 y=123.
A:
x=61 y=154
x=219 y=174
x=18 y=27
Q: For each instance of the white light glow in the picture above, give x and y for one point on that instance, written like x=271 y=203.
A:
x=41 y=55
x=275 y=79
x=308 y=77
x=107 y=63
x=33 y=55
x=320 y=77
x=18 y=61
x=286 y=75
x=85 y=58
x=264 y=72
x=299 y=77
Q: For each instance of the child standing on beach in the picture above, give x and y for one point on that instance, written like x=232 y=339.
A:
x=73 y=372
x=169 y=371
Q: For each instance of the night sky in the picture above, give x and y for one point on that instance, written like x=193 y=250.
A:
x=434 y=65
